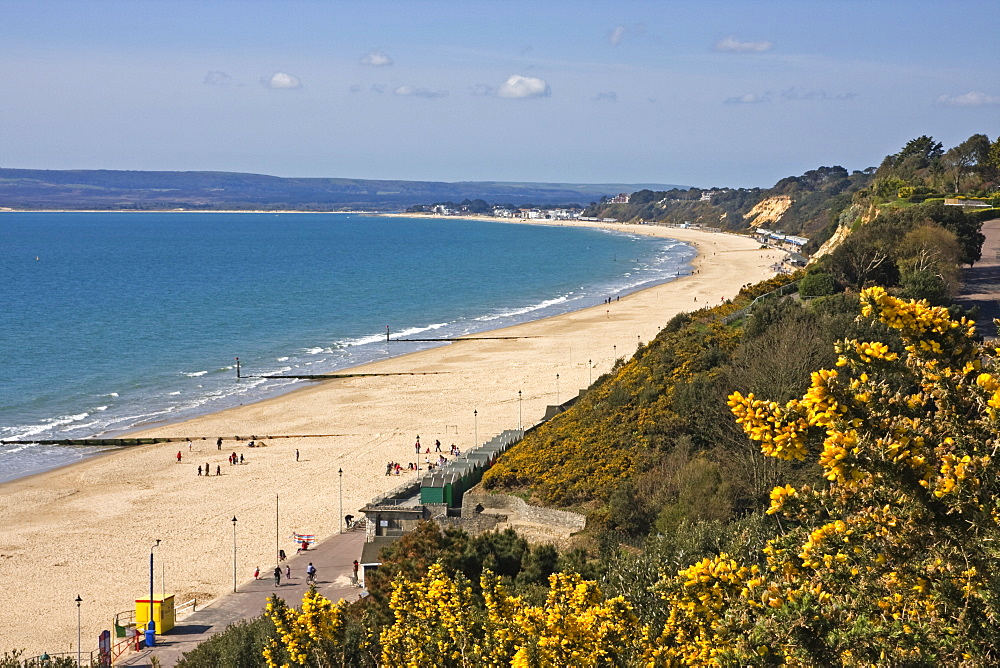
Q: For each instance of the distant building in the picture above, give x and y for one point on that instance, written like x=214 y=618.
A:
x=977 y=204
x=620 y=198
x=785 y=241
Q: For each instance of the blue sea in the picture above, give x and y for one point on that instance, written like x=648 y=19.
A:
x=115 y=321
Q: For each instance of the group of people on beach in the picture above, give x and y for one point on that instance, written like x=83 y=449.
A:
x=395 y=468
x=234 y=458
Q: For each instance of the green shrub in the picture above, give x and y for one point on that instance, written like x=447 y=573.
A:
x=819 y=284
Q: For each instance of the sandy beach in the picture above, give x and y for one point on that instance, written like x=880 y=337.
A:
x=87 y=529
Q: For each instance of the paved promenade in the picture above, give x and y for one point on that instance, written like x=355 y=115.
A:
x=981 y=283
x=334 y=562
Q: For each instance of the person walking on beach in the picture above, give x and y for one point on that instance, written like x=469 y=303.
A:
x=296 y=454
x=219 y=443
x=208 y=471
x=199 y=470
x=277 y=576
x=437 y=445
x=218 y=470
x=178 y=456
x=241 y=458
x=256 y=573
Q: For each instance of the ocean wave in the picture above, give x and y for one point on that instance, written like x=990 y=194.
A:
x=112 y=394
x=172 y=394
x=380 y=337
x=510 y=313
x=49 y=424
x=100 y=408
x=281 y=359
x=195 y=374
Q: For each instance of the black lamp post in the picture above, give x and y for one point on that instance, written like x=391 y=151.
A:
x=78 y=635
x=151 y=626
x=234 y=554
x=520 y=425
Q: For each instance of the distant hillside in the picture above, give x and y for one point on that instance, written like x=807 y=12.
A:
x=141 y=190
x=802 y=205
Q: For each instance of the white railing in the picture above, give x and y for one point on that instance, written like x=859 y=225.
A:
x=193 y=604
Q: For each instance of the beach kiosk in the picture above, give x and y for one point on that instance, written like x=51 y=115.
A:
x=163 y=613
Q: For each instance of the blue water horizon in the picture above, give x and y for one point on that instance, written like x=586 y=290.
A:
x=115 y=322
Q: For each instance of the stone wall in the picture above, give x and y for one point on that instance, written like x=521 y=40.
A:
x=476 y=502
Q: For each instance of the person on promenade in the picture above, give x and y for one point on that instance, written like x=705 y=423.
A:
x=311 y=573
x=277 y=576
x=356 y=571
x=281 y=555
x=256 y=573
x=288 y=572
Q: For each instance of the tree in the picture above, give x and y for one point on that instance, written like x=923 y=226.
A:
x=931 y=249
x=962 y=158
x=923 y=150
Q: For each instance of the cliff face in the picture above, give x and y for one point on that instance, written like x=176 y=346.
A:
x=768 y=212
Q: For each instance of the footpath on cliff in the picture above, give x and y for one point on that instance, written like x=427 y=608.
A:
x=981 y=282
x=334 y=562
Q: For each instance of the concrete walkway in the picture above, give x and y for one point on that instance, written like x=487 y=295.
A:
x=981 y=283
x=334 y=562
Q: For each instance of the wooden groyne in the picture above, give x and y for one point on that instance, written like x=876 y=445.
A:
x=464 y=338
x=331 y=376
x=124 y=442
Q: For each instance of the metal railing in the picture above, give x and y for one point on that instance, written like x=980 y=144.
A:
x=193 y=604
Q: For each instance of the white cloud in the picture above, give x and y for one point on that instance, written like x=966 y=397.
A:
x=733 y=45
x=217 y=78
x=410 y=91
x=615 y=35
x=521 y=86
x=970 y=99
x=281 y=80
x=749 y=98
x=376 y=59
x=609 y=96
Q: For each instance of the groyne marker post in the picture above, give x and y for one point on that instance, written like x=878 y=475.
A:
x=340 y=472
x=519 y=423
x=475 y=428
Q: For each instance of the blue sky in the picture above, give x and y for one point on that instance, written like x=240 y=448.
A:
x=697 y=92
